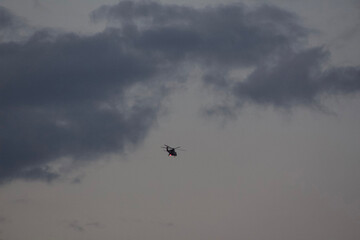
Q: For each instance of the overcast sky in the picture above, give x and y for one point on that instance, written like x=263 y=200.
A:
x=263 y=95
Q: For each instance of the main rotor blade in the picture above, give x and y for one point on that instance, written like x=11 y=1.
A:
x=179 y=148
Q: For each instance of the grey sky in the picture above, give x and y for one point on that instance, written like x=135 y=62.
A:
x=263 y=97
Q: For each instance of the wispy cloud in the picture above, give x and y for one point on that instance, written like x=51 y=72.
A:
x=83 y=226
x=76 y=226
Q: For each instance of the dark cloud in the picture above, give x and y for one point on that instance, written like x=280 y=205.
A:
x=12 y=27
x=80 y=97
x=229 y=38
x=7 y=19
x=71 y=96
x=226 y=35
x=290 y=81
x=296 y=79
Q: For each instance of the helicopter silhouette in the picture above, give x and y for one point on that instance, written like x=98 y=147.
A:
x=171 y=151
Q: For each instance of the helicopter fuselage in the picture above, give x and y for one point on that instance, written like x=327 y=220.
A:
x=171 y=151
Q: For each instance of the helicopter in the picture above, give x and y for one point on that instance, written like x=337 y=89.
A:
x=171 y=151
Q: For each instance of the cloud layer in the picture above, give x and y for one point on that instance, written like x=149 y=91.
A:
x=228 y=38
x=72 y=96
x=68 y=95
x=297 y=79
